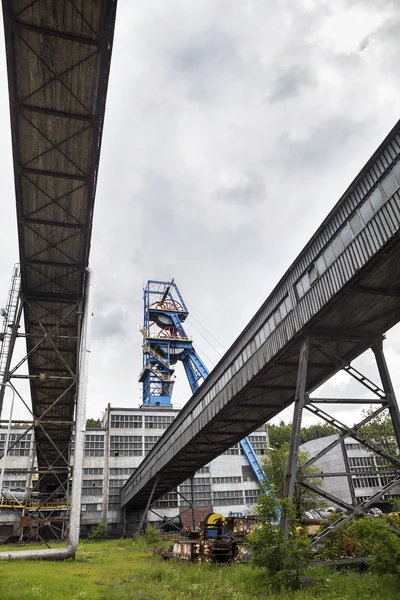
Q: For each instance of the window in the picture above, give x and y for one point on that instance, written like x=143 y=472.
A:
x=337 y=246
x=377 y=199
x=329 y=256
x=299 y=289
x=312 y=274
x=389 y=185
x=321 y=266
x=366 y=211
x=346 y=235
x=396 y=172
x=356 y=223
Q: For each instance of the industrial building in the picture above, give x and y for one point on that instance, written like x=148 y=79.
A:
x=369 y=472
x=111 y=455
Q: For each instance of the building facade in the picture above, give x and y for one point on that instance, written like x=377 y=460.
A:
x=113 y=452
x=371 y=473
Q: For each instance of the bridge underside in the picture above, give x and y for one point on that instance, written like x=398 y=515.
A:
x=58 y=60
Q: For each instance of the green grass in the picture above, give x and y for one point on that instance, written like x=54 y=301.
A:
x=123 y=570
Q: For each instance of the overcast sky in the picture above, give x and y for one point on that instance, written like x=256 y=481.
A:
x=232 y=128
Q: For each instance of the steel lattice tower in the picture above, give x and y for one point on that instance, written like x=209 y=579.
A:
x=165 y=342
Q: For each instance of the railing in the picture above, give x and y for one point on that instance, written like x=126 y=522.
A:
x=156 y=355
x=161 y=375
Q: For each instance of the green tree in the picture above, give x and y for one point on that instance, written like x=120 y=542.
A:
x=93 y=423
x=274 y=466
x=318 y=430
x=380 y=431
x=280 y=434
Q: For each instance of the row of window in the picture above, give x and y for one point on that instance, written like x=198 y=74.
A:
x=14 y=471
x=237 y=479
x=158 y=421
x=382 y=192
x=361 y=461
x=15 y=483
x=197 y=481
x=354 y=447
x=365 y=482
x=92 y=491
x=89 y=507
x=93 y=471
x=92 y=483
x=14 y=436
x=187 y=490
x=122 y=471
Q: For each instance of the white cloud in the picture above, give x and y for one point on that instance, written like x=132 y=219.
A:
x=231 y=130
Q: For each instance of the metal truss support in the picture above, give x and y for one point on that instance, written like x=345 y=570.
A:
x=299 y=405
x=192 y=503
x=54 y=365
x=384 y=399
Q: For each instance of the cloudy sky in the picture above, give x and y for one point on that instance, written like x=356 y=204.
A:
x=232 y=128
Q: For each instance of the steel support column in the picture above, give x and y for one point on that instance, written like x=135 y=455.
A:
x=300 y=399
x=384 y=397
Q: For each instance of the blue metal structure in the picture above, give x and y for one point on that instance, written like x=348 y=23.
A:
x=165 y=342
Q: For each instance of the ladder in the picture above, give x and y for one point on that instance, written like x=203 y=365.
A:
x=9 y=314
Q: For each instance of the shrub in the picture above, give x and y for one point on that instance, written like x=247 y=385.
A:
x=151 y=535
x=99 y=532
x=282 y=558
x=367 y=537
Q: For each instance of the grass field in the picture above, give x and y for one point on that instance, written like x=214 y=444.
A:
x=123 y=570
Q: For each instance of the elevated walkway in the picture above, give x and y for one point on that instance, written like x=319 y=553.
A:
x=343 y=291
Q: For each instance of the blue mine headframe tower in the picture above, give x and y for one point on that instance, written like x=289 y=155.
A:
x=165 y=342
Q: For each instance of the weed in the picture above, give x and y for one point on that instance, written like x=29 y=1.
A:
x=99 y=532
x=120 y=570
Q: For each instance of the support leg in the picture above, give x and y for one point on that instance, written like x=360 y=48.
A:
x=192 y=506
x=388 y=388
x=146 y=510
x=300 y=400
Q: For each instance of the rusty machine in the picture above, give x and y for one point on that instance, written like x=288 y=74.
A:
x=219 y=539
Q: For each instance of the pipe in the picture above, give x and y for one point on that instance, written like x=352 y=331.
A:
x=80 y=428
